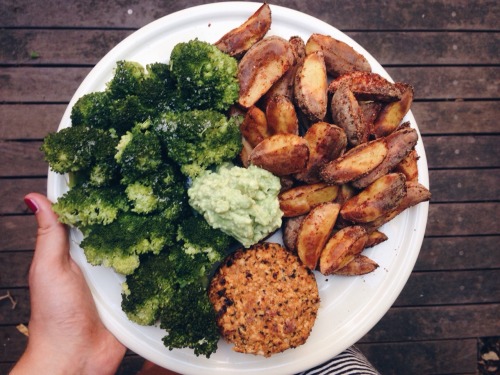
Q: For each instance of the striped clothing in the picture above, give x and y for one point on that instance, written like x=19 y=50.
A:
x=350 y=362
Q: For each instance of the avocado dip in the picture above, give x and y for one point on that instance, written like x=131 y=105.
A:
x=241 y=202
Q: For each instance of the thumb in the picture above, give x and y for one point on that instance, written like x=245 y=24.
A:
x=52 y=242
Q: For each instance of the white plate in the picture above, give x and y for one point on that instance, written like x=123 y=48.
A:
x=350 y=306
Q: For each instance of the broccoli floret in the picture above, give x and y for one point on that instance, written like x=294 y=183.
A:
x=147 y=289
x=93 y=110
x=189 y=319
x=158 y=90
x=206 y=77
x=198 y=237
x=172 y=287
x=160 y=191
x=126 y=112
x=139 y=153
x=76 y=148
x=127 y=79
x=119 y=244
x=199 y=139
x=85 y=205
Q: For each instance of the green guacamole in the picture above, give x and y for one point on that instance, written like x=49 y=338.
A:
x=242 y=202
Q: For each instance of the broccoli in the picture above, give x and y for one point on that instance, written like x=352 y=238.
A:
x=92 y=110
x=127 y=79
x=126 y=113
x=172 y=287
x=199 y=139
x=189 y=319
x=158 y=90
x=197 y=236
x=163 y=190
x=85 y=205
x=206 y=77
x=139 y=153
x=120 y=243
x=76 y=148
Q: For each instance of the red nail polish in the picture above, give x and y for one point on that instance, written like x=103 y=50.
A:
x=31 y=205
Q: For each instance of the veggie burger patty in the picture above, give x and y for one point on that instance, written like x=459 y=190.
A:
x=266 y=300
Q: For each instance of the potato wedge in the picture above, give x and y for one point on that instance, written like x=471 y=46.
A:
x=281 y=116
x=291 y=227
x=245 y=152
x=314 y=232
x=370 y=111
x=415 y=193
x=399 y=144
x=326 y=143
x=340 y=58
x=239 y=40
x=310 y=87
x=408 y=166
x=347 y=114
x=355 y=163
x=281 y=154
x=360 y=265
x=342 y=248
x=346 y=192
x=368 y=86
x=392 y=114
x=374 y=238
x=254 y=126
x=376 y=200
x=302 y=199
x=284 y=85
x=263 y=64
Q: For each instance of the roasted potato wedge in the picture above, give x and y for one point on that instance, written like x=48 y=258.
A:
x=342 y=248
x=239 y=40
x=314 y=232
x=376 y=200
x=310 y=87
x=284 y=86
x=347 y=114
x=415 y=193
x=326 y=143
x=281 y=154
x=360 y=265
x=281 y=116
x=245 y=152
x=263 y=64
x=302 y=199
x=374 y=238
x=368 y=86
x=408 y=166
x=392 y=114
x=355 y=163
x=346 y=192
x=254 y=126
x=399 y=144
x=370 y=111
x=291 y=227
x=340 y=58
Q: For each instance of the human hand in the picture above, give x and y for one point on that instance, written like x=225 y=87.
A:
x=66 y=335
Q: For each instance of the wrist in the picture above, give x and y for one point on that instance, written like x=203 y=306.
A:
x=36 y=362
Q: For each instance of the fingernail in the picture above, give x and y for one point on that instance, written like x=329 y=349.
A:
x=31 y=205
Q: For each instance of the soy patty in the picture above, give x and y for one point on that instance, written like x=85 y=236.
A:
x=266 y=300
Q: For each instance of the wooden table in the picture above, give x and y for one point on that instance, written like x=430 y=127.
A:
x=449 y=51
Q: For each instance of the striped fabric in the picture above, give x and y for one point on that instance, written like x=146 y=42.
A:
x=350 y=362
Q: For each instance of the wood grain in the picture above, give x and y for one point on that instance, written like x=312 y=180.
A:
x=366 y=14
x=87 y=47
x=423 y=357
